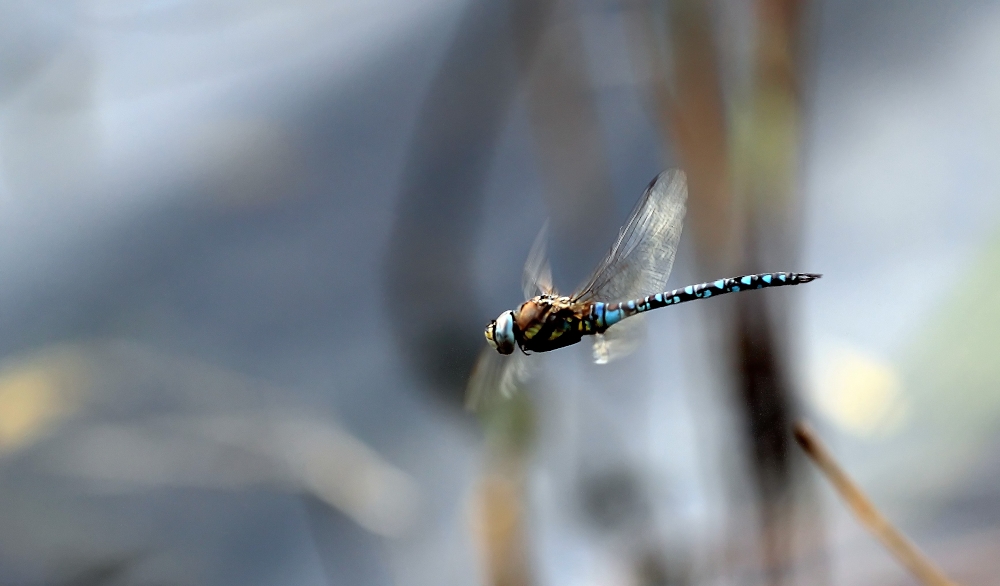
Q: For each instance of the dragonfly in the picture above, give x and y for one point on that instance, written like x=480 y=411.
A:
x=629 y=281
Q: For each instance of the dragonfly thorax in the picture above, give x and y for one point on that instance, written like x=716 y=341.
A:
x=547 y=322
x=541 y=323
x=533 y=313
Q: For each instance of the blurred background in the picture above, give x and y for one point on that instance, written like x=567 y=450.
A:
x=249 y=248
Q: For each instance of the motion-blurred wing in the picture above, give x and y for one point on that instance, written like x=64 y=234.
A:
x=640 y=260
x=537 y=276
x=495 y=377
x=619 y=340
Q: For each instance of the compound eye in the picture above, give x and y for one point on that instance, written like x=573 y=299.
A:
x=503 y=333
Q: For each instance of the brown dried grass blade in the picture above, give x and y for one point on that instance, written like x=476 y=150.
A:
x=866 y=512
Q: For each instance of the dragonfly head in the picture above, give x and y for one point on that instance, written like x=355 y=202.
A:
x=500 y=333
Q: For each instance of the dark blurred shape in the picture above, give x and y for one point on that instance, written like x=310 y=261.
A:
x=112 y=571
x=429 y=281
x=571 y=149
x=693 y=115
x=768 y=157
x=657 y=569
x=614 y=500
x=440 y=209
x=740 y=156
x=765 y=397
x=691 y=112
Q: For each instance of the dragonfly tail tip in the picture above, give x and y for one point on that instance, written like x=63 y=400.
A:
x=806 y=277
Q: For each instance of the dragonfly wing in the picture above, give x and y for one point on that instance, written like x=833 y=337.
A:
x=537 y=276
x=495 y=377
x=640 y=261
x=619 y=340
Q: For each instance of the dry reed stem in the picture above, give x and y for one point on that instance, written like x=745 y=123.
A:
x=866 y=512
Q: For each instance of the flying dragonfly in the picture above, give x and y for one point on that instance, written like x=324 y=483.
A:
x=629 y=281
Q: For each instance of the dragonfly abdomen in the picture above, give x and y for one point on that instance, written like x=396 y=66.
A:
x=608 y=314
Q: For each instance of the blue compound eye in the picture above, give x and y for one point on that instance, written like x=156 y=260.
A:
x=503 y=333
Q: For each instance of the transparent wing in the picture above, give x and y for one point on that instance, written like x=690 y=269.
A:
x=640 y=261
x=619 y=340
x=495 y=377
x=537 y=276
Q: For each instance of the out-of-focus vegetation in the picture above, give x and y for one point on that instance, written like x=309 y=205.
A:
x=247 y=251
